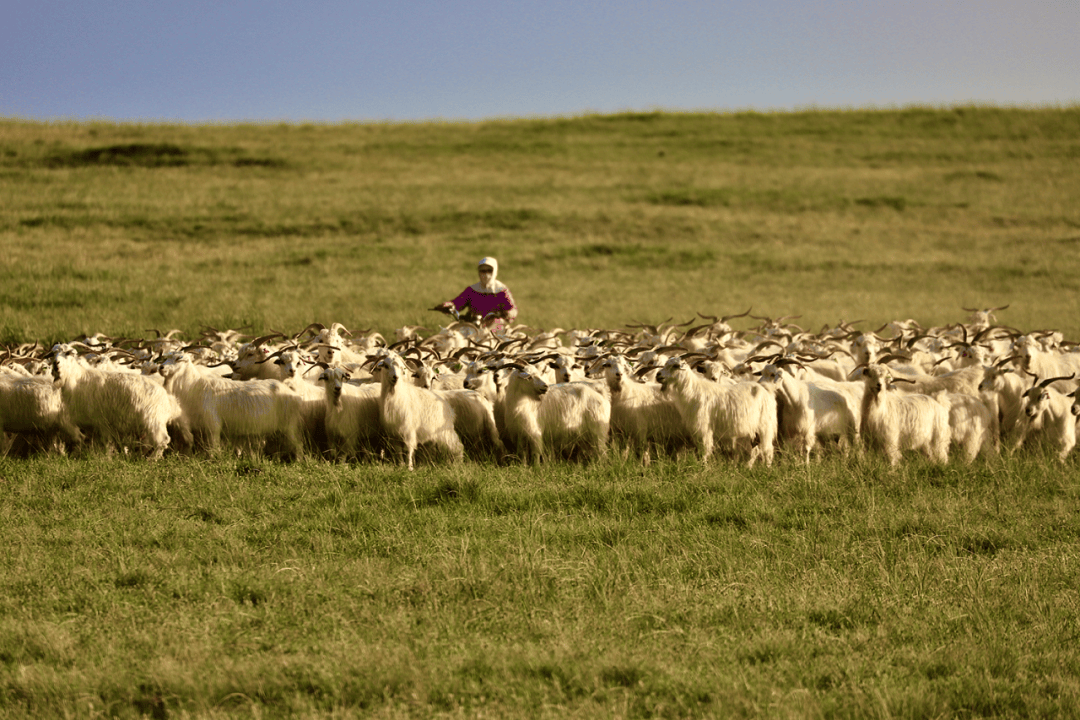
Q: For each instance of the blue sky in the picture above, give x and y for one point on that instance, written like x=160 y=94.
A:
x=270 y=60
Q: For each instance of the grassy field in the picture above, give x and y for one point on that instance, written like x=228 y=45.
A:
x=252 y=588
x=596 y=220
x=262 y=590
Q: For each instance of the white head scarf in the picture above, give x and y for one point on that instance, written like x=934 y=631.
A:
x=494 y=285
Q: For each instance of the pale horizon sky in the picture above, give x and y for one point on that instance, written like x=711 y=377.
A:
x=333 y=60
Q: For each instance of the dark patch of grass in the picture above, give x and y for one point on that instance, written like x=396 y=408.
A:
x=65 y=222
x=639 y=255
x=727 y=518
x=791 y=199
x=610 y=536
x=632 y=117
x=249 y=592
x=764 y=653
x=248 y=468
x=831 y=619
x=263 y=162
x=206 y=515
x=155 y=155
x=499 y=219
x=939 y=669
x=149 y=702
x=132 y=579
x=698 y=197
x=979 y=697
x=896 y=202
x=911 y=526
x=586 y=497
x=129 y=154
x=986 y=544
x=849 y=617
x=985 y=175
x=451 y=491
x=626 y=676
x=654 y=503
x=212 y=226
x=764 y=262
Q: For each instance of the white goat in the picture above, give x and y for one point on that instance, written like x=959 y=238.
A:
x=412 y=414
x=244 y=411
x=744 y=412
x=1003 y=389
x=487 y=376
x=474 y=414
x=898 y=422
x=114 y=406
x=796 y=423
x=714 y=370
x=837 y=411
x=33 y=406
x=437 y=375
x=649 y=363
x=568 y=420
x=811 y=410
x=641 y=412
x=252 y=360
x=964 y=381
x=1039 y=361
x=351 y=412
x=331 y=349
x=297 y=366
x=1053 y=410
x=567 y=367
x=973 y=425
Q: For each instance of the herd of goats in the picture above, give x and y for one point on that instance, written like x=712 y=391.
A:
x=526 y=395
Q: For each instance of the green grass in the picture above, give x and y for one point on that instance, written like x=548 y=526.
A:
x=839 y=590
x=596 y=219
x=844 y=589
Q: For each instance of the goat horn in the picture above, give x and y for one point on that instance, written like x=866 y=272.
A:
x=1048 y=381
x=319 y=327
x=257 y=342
x=732 y=317
x=885 y=360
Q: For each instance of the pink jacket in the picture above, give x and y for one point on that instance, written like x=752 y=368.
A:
x=483 y=303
